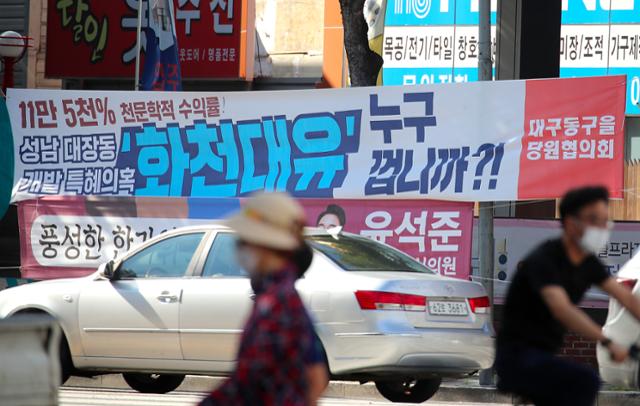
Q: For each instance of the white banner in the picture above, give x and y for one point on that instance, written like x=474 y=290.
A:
x=85 y=242
x=502 y=140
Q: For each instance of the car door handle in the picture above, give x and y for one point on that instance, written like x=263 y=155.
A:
x=166 y=297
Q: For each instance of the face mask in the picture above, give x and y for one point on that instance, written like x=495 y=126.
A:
x=247 y=260
x=594 y=239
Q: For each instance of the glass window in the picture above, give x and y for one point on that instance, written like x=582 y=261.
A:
x=632 y=133
x=221 y=261
x=355 y=253
x=168 y=258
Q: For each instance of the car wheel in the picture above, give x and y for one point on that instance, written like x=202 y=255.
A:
x=66 y=364
x=64 y=353
x=153 y=383
x=409 y=391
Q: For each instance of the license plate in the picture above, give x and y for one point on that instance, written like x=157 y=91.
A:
x=448 y=308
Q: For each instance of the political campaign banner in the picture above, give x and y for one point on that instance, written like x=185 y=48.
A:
x=482 y=141
x=71 y=236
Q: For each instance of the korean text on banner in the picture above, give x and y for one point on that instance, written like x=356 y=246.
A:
x=505 y=140
x=72 y=236
x=215 y=37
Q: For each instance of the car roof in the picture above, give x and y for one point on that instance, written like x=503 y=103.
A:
x=219 y=225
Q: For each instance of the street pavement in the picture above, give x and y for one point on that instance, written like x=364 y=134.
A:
x=105 y=397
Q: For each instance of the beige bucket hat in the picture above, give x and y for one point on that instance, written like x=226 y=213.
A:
x=272 y=220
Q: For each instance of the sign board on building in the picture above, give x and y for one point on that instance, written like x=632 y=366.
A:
x=97 y=39
x=436 y=41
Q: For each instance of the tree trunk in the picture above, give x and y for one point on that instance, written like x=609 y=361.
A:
x=364 y=64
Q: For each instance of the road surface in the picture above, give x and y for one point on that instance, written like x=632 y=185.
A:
x=105 y=397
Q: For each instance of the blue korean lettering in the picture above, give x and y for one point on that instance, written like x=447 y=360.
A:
x=41 y=181
x=317 y=134
x=89 y=148
x=386 y=126
x=421 y=122
x=179 y=160
x=153 y=161
x=453 y=161
x=40 y=149
x=275 y=135
x=313 y=134
x=306 y=156
x=106 y=146
x=228 y=148
x=444 y=167
x=491 y=154
x=247 y=132
x=386 y=162
x=201 y=136
x=206 y=162
x=159 y=156
x=396 y=165
x=403 y=184
x=320 y=146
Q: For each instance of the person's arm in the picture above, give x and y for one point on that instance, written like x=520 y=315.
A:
x=622 y=295
x=318 y=380
x=576 y=320
x=317 y=367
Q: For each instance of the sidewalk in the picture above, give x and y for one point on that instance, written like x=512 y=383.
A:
x=464 y=390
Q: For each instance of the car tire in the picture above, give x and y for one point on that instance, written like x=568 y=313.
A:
x=66 y=364
x=153 y=383
x=64 y=353
x=409 y=391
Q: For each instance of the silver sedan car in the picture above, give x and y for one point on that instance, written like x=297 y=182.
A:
x=177 y=304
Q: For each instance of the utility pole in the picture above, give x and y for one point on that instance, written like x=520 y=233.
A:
x=485 y=234
x=136 y=85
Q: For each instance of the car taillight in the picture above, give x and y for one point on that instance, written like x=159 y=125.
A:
x=480 y=305
x=371 y=300
x=630 y=283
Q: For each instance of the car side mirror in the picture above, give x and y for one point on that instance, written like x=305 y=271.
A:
x=110 y=272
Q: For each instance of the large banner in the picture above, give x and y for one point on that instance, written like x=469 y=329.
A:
x=506 y=140
x=71 y=236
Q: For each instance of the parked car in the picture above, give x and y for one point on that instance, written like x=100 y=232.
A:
x=623 y=329
x=176 y=305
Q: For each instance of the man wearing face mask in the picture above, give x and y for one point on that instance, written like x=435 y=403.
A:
x=272 y=366
x=542 y=304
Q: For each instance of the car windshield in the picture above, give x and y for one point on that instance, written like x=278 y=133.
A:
x=354 y=253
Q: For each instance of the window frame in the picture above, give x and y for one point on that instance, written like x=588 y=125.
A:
x=205 y=255
x=191 y=267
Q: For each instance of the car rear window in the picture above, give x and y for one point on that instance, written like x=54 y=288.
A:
x=354 y=253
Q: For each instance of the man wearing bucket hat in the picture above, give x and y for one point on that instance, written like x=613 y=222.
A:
x=272 y=366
